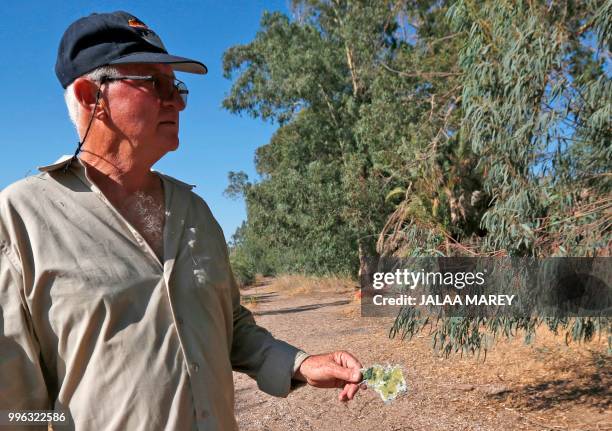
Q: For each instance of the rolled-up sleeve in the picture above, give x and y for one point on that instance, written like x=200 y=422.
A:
x=22 y=386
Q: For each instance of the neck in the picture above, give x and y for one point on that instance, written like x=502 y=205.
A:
x=120 y=174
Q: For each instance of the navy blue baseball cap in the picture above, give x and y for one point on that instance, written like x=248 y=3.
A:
x=102 y=39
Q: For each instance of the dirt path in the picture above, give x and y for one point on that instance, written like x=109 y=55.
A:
x=546 y=386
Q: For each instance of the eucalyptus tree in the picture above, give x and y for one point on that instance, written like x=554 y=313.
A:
x=319 y=198
x=536 y=102
x=436 y=127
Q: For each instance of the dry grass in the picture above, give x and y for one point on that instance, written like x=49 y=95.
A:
x=257 y=291
x=249 y=301
x=293 y=285
x=543 y=386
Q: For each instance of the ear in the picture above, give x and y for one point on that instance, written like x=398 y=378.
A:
x=86 y=92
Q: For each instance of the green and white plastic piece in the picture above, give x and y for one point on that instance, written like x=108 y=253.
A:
x=388 y=381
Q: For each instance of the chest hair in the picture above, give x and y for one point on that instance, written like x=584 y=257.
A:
x=147 y=214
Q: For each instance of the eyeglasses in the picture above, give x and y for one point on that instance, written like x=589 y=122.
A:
x=164 y=85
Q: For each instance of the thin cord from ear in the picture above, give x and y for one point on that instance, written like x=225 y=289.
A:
x=82 y=141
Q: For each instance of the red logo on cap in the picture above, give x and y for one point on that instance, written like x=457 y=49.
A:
x=136 y=23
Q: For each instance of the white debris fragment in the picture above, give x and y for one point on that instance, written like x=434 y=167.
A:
x=200 y=275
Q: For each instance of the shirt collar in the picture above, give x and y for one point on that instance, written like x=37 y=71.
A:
x=65 y=159
x=59 y=163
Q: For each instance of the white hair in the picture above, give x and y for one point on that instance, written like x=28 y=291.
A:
x=74 y=111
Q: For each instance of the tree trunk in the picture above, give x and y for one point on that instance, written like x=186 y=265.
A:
x=368 y=263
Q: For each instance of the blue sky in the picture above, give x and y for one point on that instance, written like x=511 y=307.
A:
x=34 y=126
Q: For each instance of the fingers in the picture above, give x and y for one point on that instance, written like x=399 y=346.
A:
x=343 y=395
x=348 y=393
x=338 y=369
x=349 y=360
x=351 y=391
x=352 y=375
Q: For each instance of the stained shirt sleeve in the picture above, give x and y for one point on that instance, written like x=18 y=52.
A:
x=22 y=386
x=271 y=362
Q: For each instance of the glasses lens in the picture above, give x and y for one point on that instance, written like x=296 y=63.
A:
x=183 y=92
x=166 y=87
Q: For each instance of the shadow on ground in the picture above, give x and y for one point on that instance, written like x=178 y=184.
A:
x=589 y=387
x=300 y=308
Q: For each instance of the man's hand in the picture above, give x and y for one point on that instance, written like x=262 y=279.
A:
x=332 y=370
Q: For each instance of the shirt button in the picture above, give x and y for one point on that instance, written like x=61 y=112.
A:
x=204 y=414
x=195 y=367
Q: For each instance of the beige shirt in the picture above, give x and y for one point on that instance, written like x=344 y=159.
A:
x=93 y=324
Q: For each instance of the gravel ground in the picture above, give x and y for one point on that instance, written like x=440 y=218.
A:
x=545 y=386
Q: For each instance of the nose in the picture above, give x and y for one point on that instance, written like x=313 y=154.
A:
x=176 y=101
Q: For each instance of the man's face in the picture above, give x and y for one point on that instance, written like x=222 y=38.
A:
x=139 y=116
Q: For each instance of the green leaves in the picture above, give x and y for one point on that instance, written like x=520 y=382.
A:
x=437 y=128
x=318 y=195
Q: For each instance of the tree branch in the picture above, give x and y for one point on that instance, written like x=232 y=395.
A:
x=420 y=74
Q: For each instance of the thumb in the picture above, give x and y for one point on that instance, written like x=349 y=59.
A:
x=352 y=375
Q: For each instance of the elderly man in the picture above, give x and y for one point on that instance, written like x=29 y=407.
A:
x=117 y=302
